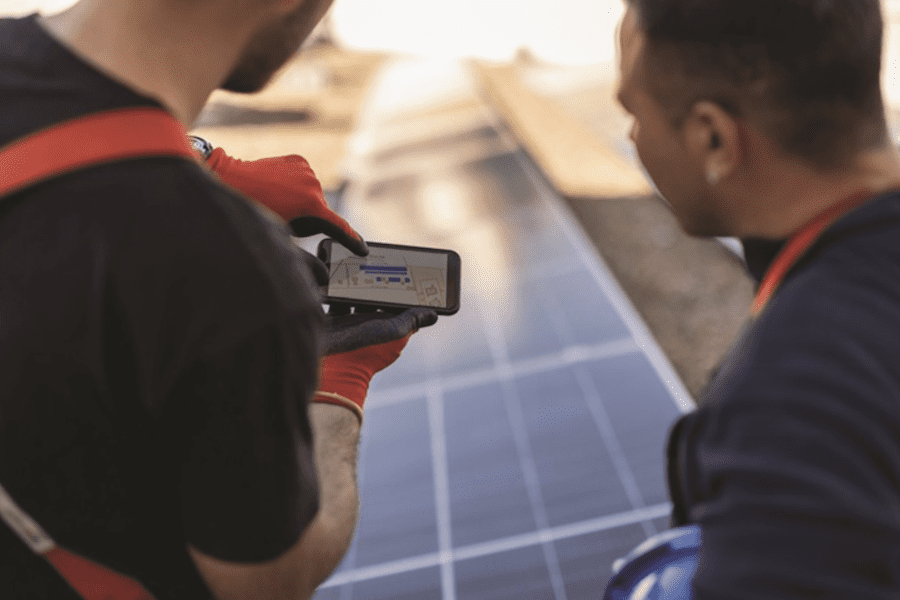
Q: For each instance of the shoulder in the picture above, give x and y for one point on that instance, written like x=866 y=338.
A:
x=836 y=320
x=161 y=228
x=819 y=368
x=795 y=439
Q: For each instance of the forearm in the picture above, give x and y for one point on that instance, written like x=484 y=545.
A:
x=298 y=572
x=326 y=540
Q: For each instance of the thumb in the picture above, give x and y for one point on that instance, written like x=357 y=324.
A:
x=414 y=319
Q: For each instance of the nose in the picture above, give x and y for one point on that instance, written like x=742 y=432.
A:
x=635 y=129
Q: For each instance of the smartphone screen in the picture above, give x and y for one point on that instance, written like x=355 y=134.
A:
x=393 y=275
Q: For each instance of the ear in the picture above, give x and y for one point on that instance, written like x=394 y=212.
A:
x=713 y=139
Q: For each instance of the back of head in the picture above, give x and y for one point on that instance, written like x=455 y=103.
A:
x=806 y=72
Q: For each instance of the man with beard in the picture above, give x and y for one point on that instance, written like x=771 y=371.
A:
x=764 y=119
x=161 y=413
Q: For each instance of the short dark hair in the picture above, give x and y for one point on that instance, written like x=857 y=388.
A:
x=806 y=71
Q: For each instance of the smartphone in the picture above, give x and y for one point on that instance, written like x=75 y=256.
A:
x=392 y=276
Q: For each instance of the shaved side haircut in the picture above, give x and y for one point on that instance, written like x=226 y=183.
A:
x=806 y=72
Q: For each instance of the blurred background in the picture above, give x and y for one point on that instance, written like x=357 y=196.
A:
x=516 y=449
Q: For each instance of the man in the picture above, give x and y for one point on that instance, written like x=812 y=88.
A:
x=159 y=334
x=764 y=119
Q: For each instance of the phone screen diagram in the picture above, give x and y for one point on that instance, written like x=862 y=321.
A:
x=394 y=275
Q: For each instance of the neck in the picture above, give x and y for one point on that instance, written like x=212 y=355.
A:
x=795 y=193
x=177 y=56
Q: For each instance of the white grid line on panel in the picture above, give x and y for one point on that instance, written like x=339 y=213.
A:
x=598 y=411
x=556 y=314
x=523 y=449
x=441 y=491
x=617 y=297
x=611 y=441
x=515 y=542
x=572 y=355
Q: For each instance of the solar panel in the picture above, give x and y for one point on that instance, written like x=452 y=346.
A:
x=515 y=449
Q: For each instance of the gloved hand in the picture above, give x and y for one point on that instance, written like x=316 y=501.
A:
x=346 y=377
x=287 y=186
x=349 y=332
x=345 y=332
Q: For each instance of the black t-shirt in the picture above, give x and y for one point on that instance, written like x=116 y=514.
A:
x=159 y=341
x=791 y=464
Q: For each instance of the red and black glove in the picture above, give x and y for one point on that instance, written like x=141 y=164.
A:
x=346 y=377
x=287 y=186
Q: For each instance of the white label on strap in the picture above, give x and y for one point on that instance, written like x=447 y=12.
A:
x=23 y=525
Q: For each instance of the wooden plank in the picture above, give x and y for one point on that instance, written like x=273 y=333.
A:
x=578 y=163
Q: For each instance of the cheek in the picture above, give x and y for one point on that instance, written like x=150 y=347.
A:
x=653 y=153
x=667 y=165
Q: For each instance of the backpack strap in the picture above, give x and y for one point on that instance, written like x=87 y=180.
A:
x=94 y=139
x=62 y=148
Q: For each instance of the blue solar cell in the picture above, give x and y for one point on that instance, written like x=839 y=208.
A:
x=397 y=515
x=520 y=573
x=588 y=315
x=577 y=475
x=528 y=327
x=424 y=584
x=488 y=496
x=460 y=342
x=586 y=560
x=504 y=173
x=641 y=412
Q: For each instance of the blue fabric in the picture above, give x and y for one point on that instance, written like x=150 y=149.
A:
x=791 y=463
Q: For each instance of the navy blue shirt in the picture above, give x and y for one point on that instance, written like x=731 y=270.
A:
x=159 y=341
x=791 y=463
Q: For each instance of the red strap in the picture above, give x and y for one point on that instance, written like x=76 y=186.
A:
x=93 y=581
x=797 y=246
x=94 y=139
x=63 y=148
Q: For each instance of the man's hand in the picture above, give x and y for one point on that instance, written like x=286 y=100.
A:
x=349 y=332
x=345 y=332
x=287 y=186
x=346 y=376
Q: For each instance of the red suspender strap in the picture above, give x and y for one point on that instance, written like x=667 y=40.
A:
x=63 y=148
x=90 y=140
x=798 y=244
x=90 y=580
